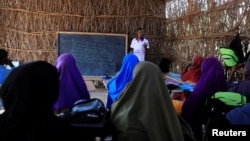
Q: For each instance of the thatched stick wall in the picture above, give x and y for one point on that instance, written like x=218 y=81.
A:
x=29 y=27
x=202 y=26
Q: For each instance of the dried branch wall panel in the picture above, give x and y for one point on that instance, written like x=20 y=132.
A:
x=201 y=27
x=31 y=26
x=175 y=28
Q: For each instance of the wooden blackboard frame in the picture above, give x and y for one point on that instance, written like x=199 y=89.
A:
x=76 y=42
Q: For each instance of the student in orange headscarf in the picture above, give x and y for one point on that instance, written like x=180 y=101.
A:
x=193 y=71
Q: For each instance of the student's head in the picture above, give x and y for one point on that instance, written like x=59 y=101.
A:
x=72 y=85
x=30 y=90
x=197 y=61
x=165 y=65
x=3 y=56
x=65 y=61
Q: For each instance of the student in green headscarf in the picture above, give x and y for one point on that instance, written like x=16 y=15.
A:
x=144 y=110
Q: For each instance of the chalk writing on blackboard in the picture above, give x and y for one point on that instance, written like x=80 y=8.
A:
x=96 y=54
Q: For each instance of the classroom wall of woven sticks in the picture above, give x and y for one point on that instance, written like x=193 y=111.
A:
x=177 y=29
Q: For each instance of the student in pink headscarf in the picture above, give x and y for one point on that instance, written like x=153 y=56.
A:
x=193 y=71
x=72 y=85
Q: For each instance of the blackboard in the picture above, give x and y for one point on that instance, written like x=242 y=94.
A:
x=96 y=54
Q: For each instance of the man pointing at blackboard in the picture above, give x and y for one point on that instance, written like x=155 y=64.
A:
x=139 y=45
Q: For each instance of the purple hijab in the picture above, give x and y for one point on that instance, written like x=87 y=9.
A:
x=242 y=87
x=72 y=85
x=212 y=79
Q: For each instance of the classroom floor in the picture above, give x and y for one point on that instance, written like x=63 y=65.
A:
x=100 y=93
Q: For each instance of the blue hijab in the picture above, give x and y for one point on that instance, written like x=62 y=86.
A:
x=239 y=115
x=120 y=80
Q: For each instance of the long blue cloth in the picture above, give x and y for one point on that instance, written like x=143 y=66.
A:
x=116 y=84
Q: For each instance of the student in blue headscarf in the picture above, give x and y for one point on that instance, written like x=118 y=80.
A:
x=4 y=60
x=239 y=115
x=72 y=85
x=239 y=119
x=120 y=80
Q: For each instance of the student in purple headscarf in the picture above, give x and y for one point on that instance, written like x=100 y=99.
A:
x=120 y=80
x=212 y=79
x=243 y=86
x=72 y=85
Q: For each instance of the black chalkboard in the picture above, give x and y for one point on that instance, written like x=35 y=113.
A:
x=96 y=54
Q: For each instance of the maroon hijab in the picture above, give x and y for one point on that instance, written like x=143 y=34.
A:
x=193 y=74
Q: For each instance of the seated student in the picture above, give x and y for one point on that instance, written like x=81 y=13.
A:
x=193 y=71
x=243 y=86
x=239 y=115
x=212 y=79
x=164 y=66
x=4 y=60
x=72 y=84
x=144 y=111
x=116 y=84
x=28 y=95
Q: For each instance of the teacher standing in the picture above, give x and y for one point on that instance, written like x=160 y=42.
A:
x=139 y=45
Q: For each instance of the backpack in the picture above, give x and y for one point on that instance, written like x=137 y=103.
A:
x=228 y=56
x=225 y=101
x=87 y=113
x=89 y=116
x=230 y=98
x=233 y=54
x=218 y=105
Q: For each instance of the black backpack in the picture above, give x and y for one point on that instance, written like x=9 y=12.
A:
x=87 y=112
x=90 y=117
x=237 y=47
